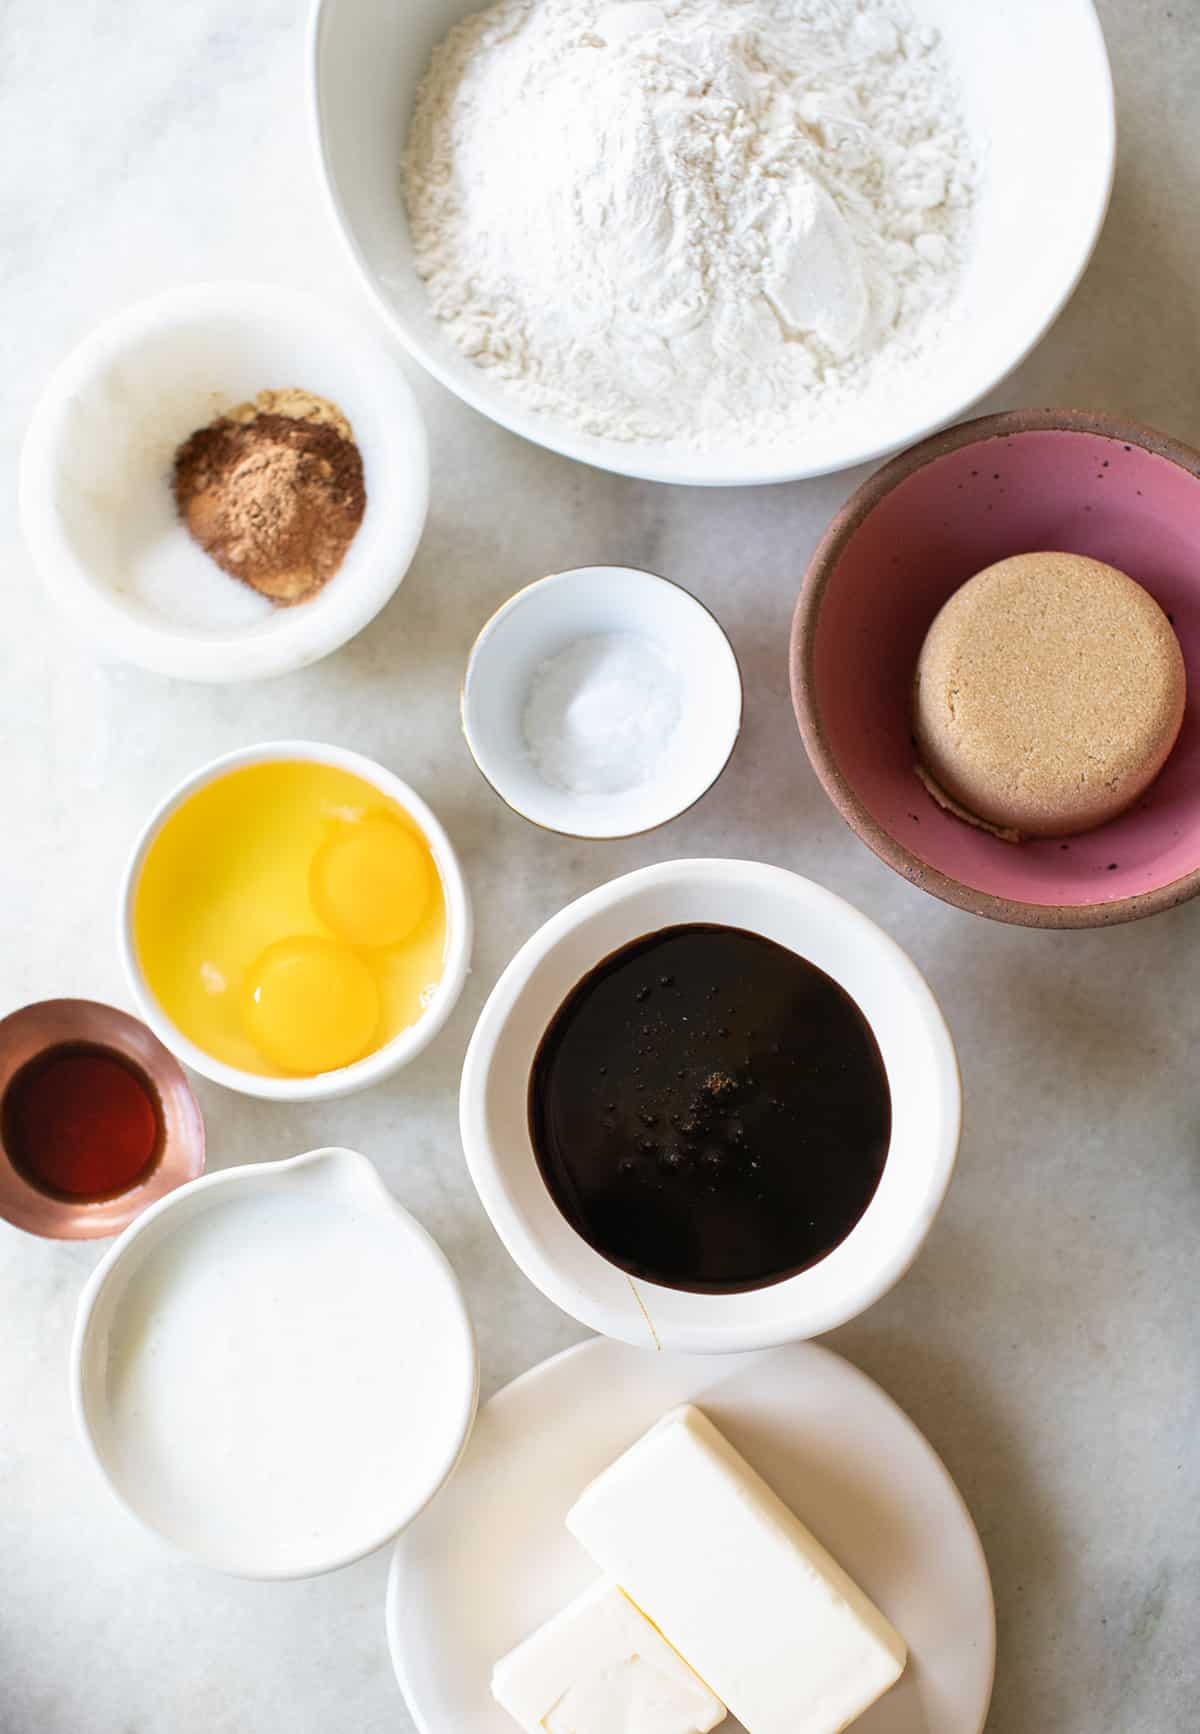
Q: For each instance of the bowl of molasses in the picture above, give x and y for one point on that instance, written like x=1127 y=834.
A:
x=711 y=1107
x=97 y=1120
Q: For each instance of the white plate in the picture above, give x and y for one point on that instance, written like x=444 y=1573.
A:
x=491 y=1559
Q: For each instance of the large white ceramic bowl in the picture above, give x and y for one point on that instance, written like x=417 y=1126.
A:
x=913 y=1039
x=1039 y=95
x=97 y=506
x=403 y=1047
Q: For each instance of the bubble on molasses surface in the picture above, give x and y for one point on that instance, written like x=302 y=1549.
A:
x=718 y=1175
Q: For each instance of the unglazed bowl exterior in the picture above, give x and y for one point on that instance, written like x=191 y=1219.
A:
x=1029 y=480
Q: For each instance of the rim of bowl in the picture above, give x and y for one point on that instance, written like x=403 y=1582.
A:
x=802 y=650
x=57 y=1218
x=688 y=470
x=488 y=1167
x=183 y=1197
x=163 y=649
x=403 y=1047
x=507 y=607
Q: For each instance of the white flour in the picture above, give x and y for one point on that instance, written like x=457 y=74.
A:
x=692 y=221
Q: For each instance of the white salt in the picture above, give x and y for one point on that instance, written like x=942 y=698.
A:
x=601 y=713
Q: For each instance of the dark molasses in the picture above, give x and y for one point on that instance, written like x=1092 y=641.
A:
x=709 y=1110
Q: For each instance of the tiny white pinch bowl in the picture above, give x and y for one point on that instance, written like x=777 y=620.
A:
x=95 y=483
x=357 y=1181
x=543 y=619
x=403 y=1047
x=914 y=1041
x=1036 y=87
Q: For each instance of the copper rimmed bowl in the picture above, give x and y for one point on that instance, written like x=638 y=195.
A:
x=52 y=1023
x=1021 y=482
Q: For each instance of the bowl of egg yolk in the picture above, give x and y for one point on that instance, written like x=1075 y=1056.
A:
x=294 y=922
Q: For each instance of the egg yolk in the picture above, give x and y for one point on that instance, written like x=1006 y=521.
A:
x=310 y=1004
x=371 y=882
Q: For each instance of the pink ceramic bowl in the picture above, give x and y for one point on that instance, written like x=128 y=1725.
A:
x=916 y=530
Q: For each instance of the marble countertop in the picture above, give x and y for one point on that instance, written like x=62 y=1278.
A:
x=1046 y=1339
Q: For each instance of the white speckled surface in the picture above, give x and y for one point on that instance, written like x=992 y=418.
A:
x=1046 y=1341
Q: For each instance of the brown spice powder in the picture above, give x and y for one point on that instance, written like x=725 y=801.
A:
x=275 y=499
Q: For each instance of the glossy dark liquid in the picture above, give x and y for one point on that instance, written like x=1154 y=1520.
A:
x=81 y=1122
x=709 y=1110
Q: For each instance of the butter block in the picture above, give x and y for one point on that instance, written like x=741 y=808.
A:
x=735 y=1582
x=599 y=1667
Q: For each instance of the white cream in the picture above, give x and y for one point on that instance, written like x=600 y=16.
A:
x=736 y=1582
x=289 y=1370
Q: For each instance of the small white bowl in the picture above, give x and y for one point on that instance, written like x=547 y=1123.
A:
x=254 y=1467
x=96 y=501
x=542 y=620
x=1038 y=95
x=403 y=1047
x=913 y=1039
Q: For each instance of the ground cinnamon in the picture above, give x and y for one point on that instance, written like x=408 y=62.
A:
x=274 y=498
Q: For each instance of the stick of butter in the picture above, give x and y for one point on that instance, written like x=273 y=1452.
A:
x=735 y=1582
x=599 y=1667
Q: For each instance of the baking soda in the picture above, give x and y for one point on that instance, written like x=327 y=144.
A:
x=601 y=714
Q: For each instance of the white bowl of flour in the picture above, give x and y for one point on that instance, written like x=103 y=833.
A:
x=716 y=241
x=602 y=702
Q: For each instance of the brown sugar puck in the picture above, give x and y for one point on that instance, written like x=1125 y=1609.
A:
x=1049 y=692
